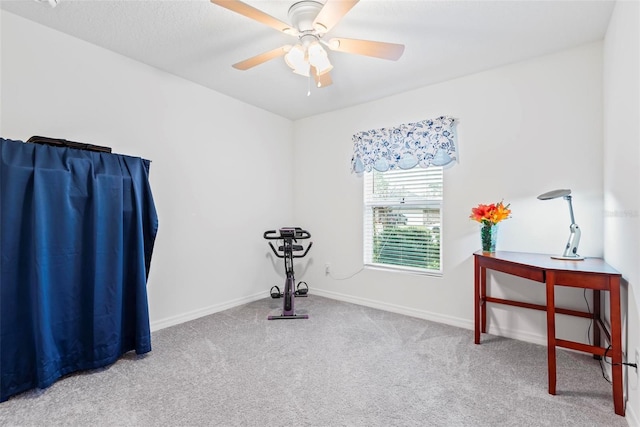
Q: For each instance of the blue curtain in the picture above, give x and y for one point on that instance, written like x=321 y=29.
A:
x=77 y=235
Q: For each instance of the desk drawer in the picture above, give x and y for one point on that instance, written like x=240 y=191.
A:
x=582 y=280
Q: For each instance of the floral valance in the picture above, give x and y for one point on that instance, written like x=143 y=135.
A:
x=425 y=143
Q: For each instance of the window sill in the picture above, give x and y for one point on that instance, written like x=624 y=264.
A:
x=403 y=270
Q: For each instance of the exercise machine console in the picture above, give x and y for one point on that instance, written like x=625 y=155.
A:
x=287 y=251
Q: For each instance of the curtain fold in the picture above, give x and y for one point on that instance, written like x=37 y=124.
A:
x=77 y=235
x=424 y=143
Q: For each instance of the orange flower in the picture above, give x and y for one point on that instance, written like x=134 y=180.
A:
x=490 y=214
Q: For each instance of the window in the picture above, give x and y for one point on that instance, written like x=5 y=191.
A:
x=402 y=219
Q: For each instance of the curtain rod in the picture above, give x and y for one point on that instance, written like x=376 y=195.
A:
x=56 y=142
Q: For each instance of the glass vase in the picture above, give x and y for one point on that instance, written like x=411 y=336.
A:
x=489 y=236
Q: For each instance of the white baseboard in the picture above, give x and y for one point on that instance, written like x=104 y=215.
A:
x=434 y=317
x=420 y=314
x=201 y=312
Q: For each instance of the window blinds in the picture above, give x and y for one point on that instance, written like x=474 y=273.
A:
x=402 y=218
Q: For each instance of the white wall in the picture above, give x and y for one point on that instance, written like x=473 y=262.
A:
x=220 y=171
x=523 y=129
x=621 y=172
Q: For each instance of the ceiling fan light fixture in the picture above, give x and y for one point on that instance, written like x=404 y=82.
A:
x=318 y=58
x=302 y=57
x=295 y=57
x=296 y=60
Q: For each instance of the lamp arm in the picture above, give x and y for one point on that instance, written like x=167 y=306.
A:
x=568 y=199
x=571 y=250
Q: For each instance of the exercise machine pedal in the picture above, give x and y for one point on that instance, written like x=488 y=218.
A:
x=302 y=292
x=275 y=294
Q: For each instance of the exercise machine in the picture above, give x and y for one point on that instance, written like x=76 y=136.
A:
x=287 y=251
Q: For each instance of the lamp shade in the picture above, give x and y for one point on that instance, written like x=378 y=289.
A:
x=554 y=194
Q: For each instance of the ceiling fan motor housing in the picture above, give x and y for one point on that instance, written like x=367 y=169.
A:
x=302 y=15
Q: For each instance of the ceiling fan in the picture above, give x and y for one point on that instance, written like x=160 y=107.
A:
x=310 y=22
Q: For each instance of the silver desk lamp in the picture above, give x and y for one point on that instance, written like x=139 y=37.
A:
x=571 y=250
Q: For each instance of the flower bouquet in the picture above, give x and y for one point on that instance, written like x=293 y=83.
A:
x=489 y=216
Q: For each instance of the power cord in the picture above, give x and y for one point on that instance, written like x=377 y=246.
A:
x=347 y=277
x=584 y=294
x=633 y=365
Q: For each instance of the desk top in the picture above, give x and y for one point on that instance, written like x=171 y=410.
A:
x=545 y=262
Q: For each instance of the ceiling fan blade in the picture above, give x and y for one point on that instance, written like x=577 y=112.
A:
x=263 y=57
x=391 y=51
x=331 y=13
x=255 y=14
x=322 y=80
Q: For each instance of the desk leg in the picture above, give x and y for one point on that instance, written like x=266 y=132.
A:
x=616 y=345
x=596 y=316
x=476 y=299
x=551 y=330
x=483 y=299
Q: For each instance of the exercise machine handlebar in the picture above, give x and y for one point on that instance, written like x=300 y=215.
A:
x=283 y=233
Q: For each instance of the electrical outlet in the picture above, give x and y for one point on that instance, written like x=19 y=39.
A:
x=637 y=359
x=327 y=268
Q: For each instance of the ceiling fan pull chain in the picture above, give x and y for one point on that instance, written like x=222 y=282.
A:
x=309 y=85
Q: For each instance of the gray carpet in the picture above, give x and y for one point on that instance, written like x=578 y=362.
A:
x=347 y=365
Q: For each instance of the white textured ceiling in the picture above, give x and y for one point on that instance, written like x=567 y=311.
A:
x=199 y=41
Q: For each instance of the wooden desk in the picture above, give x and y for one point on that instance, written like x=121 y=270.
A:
x=591 y=273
